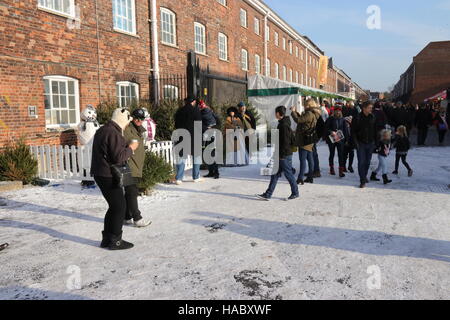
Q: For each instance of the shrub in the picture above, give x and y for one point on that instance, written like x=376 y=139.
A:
x=17 y=163
x=164 y=116
x=156 y=170
x=105 y=110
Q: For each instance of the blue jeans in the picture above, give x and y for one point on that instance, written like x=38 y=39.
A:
x=305 y=155
x=365 y=152
x=316 y=159
x=286 y=168
x=195 y=171
x=382 y=165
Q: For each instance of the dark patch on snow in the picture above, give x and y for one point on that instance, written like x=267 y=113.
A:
x=317 y=213
x=215 y=227
x=95 y=285
x=256 y=284
x=253 y=244
x=345 y=281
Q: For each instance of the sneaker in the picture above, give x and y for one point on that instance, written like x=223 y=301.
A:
x=362 y=185
x=263 y=196
x=142 y=223
x=199 y=180
x=300 y=181
x=178 y=182
x=410 y=173
x=350 y=169
x=120 y=245
x=395 y=172
x=293 y=197
x=128 y=222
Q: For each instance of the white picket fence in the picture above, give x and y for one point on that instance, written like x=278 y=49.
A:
x=74 y=163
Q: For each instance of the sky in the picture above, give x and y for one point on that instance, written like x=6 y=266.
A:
x=376 y=58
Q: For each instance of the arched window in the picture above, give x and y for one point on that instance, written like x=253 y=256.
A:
x=168 y=27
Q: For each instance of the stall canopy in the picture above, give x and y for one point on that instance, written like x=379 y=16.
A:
x=267 y=93
x=440 y=96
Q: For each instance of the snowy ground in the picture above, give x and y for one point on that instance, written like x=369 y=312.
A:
x=215 y=241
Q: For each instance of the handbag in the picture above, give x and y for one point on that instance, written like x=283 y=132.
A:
x=122 y=175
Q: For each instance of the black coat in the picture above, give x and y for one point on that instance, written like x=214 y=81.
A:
x=401 y=144
x=423 y=118
x=109 y=147
x=286 y=137
x=364 y=129
x=185 y=118
x=335 y=124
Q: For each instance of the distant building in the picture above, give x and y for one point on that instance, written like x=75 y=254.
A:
x=428 y=74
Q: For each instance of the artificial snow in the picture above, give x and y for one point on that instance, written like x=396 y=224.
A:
x=214 y=240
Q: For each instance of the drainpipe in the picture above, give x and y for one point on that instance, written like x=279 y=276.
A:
x=155 y=51
x=306 y=59
x=266 y=53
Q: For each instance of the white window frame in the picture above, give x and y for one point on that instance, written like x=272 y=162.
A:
x=284 y=73
x=290 y=47
x=223 y=52
x=244 y=60
x=291 y=75
x=302 y=54
x=296 y=77
x=296 y=51
x=303 y=79
x=267 y=33
x=171 y=89
x=257 y=64
x=49 y=5
x=76 y=96
x=133 y=17
x=173 y=16
x=268 y=68
x=199 y=45
x=243 y=18
x=222 y=2
x=284 y=43
x=257 y=26
x=277 y=71
x=277 y=39
x=126 y=84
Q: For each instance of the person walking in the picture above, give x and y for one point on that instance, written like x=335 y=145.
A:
x=236 y=154
x=111 y=148
x=402 y=146
x=349 y=147
x=186 y=118
x=364 y=135
x=383 y=150
x=336 y=136
x=209 y=121
x=284 y=150
x=306 y=137
x=442 y=124
x=422 y=122
x=135 y=132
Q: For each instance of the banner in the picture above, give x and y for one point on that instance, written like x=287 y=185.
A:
x=322 y=76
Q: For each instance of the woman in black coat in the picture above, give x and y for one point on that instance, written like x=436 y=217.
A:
x=334 y=124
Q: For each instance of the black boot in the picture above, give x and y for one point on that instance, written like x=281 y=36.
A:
x=309 y=180
x=386 y=179
x=118 y=244
x=373 y=177
x=105 y=240
x=350 y=169
x=300 y=181
x=209 y=175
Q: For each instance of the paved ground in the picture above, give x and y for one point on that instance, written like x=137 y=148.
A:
x=215 y=241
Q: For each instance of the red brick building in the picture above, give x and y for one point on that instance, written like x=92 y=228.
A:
x=58 y=56
x=427 y=75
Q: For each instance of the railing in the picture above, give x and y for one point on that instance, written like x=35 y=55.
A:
x=74 y=163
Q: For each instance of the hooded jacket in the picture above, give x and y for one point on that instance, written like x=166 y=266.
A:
x=136 y=162
x=306 y=122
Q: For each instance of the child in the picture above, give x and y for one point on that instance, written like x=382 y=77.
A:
x=402 y=145
x=383 y=151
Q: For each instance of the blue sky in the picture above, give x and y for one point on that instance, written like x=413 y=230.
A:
x=375 y=59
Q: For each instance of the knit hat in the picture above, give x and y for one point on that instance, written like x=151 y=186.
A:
x=139 y=114
x=121 y=117
x=241 y=104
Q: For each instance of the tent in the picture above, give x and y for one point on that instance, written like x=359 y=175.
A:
x=440 y=96
x=266 y=93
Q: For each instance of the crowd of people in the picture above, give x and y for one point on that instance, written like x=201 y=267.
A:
x=118 y=151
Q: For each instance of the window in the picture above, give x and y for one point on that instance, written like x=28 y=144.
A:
x=243 y=18
x=296 y=77
x=244 y=59
x=127 y=93
x=277 y=41
x=301 y=54
x=277 y=71
x=303 y=79
x=310 y=59
x=268 y=68
x=267 y=33
x=200 y=38
x=223 y=47
x=290 y=47
x=65 y=7
x=257 y=28
x=291 y=75
x=170 y=92
x=168 y=27
x=314 y=83
x=62 y=104
x=257 y=63
x=284 y=73
x=296 y=52
x=124 y=15
x=222 y=2
x=310 y=81
x=284 y=43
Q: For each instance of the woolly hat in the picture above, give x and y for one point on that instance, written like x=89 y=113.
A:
x=121 y=117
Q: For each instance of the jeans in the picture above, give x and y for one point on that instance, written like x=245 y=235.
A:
x=195 y=171
x=442 y=134
x=349 y=154
x=131 y=197
x=305 y=155
x=403 y=158
x=286 y=168
x=117 y=207
x=316 y=159
x=422 y=134
x=364 y=153
x=340 y=149
x=382 y=165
